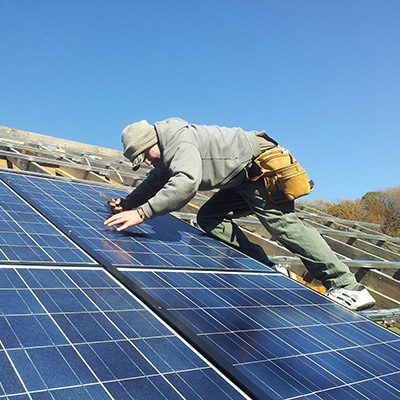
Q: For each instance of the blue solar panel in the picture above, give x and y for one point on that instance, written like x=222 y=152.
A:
x=25 y=236
x=76 y=333
x=274 y=337
x=164 y=242
x=289 y=340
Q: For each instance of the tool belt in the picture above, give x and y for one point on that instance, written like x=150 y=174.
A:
x=285 y=180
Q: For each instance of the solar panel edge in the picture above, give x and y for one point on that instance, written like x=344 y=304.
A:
x=193 y=339
x=8 y=171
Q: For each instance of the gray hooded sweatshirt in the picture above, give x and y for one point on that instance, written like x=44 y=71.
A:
x=195 y=157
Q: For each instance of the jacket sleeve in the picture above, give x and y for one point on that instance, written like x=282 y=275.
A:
x=154 y=181
x=185 y=175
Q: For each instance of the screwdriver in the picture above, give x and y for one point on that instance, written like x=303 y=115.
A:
x=108 y=198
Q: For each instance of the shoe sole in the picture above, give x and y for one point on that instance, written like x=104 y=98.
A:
x=365 y=306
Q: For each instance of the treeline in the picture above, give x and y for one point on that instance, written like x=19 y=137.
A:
x=381 y=207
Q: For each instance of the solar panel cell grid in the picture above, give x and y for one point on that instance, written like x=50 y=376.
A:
x=290 y=343
x=77 y=332
x=26 y=236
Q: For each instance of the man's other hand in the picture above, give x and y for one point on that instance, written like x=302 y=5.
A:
x=119 y=205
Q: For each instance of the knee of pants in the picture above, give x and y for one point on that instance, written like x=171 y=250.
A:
x=205 y=220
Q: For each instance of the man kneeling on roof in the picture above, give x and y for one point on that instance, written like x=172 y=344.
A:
x=188 y=158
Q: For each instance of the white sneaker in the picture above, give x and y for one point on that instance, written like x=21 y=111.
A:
x=355 y=297
x=279 y=268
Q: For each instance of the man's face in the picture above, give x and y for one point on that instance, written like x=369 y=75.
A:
x=152 y=156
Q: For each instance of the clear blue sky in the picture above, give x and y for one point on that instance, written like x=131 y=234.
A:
x=321 y=76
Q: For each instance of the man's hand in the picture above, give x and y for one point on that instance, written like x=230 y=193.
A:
x=126 y=218
x=119 y=205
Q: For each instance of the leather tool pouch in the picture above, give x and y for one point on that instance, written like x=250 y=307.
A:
x=284 y=178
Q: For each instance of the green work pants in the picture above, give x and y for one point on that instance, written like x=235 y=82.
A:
x=216 y=216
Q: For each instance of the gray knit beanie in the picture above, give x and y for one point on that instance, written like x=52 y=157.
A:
x=137 y=138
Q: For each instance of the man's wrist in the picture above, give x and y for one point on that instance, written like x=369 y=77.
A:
x=141 y=214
